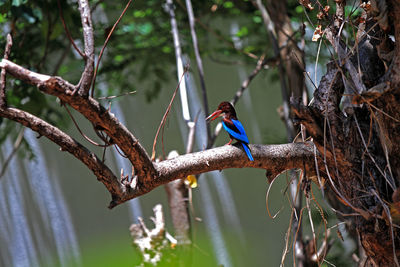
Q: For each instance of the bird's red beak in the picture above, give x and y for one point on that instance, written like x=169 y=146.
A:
x=213 y=116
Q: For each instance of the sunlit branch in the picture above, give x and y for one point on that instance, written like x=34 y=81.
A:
x=93 y=111
x=87 y=26
x=179 y=62
x=199 y=62
x=273 y=158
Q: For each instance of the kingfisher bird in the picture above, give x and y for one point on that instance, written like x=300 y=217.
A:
x=232 y=125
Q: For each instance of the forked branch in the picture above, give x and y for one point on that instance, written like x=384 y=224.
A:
x=88 y=38
x=147 y=175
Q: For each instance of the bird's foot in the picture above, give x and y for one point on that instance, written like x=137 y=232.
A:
x=230 y=142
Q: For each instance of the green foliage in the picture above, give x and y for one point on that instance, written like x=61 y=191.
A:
x=37 y=40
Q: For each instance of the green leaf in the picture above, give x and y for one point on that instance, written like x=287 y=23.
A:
x=37 y=12
x=228 y=4
x=18 y=2
x=242 y=32
x=3 y=18
x=299 y=9
x=166 y=49
x=257 y=19
x=139 y=14
x=119 y=58
x=145 y=28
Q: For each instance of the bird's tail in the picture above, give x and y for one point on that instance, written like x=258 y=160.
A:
x=247 y=150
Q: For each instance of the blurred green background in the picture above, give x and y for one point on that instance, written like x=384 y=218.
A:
x=103 y=233
x=140 y=57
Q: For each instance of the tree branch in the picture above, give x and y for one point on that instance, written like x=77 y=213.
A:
x=101 y=118
x=273 y=158
x=102 y=172
x=7 y=50
x=199 y=63
x=178 y=200
x=169 y=8
x=87 y=75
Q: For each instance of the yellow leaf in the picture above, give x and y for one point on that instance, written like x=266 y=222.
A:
x=191 y=181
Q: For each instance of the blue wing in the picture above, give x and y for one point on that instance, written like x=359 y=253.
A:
x=247 y=150
x=237 y=131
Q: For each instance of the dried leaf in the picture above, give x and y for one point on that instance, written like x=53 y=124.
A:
x=317 y=182
x=339 y=234
x=366 y=6
x=306 y=4
x=323 y=12
x=317 y=33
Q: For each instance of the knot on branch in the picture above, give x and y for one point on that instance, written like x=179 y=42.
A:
x=56 y=86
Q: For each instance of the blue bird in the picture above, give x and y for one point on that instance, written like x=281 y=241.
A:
x=232 y=125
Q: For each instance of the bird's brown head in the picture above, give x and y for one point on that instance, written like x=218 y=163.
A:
x=225 y=109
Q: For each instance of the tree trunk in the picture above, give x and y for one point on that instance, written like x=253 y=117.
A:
x=359 y=139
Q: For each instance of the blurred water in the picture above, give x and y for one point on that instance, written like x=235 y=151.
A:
x=212 y=223
x=21 y=248
x=31 y=232
x=225 y=197
x=51 y=205
x=5 y=231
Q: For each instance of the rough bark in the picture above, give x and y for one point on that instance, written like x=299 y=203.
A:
x=360 y=144
x=87 y=28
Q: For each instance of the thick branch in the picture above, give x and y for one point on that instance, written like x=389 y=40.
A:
x=23 y=74
x=94 y=112
x=102 y=172
x=87 y=75
x=273 y=158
